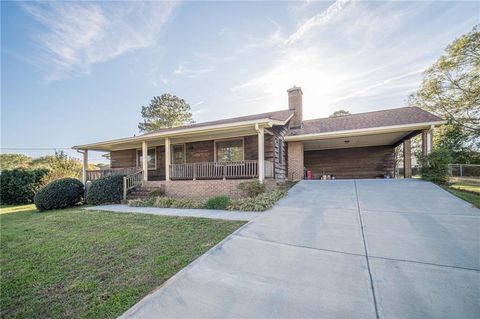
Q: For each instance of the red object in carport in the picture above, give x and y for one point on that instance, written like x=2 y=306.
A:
x=309 y=174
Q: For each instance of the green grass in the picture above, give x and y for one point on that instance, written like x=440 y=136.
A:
x=7 y=209
x=468 y=188
x=88 y=264
x=471 y=197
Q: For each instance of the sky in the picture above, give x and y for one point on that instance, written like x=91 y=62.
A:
x=78 y=72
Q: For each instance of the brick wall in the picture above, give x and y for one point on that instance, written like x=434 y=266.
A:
x=295 y=161
x=204 y=188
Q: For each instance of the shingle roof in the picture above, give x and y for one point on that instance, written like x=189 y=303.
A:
x=282 y=115
x=400 y=116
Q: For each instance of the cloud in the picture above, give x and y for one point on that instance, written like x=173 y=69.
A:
x=76 y=35
x=184 y=69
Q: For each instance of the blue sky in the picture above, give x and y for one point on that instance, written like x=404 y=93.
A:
x=79 y=72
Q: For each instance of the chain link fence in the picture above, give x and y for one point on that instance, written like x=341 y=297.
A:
x=466 y=173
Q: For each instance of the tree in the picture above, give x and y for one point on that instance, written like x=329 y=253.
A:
x=12 y=161
x=451 y=87
x=163 y=112
x=59 y=166
x=340 y=113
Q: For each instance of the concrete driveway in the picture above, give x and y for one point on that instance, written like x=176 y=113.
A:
x=337 y=249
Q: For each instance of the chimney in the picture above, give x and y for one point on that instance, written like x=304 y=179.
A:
x=295 y=104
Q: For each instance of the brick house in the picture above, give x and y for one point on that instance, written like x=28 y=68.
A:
x=209 y=158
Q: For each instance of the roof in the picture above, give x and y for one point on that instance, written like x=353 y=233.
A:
x=383 y=118
x=282 y=116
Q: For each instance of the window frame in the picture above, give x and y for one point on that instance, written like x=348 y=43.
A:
x=137 y=160
x=227 y=140
x=172 y=157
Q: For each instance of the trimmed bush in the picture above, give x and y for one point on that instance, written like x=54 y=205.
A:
x=18 y=186
x=218 y=202
x=434 y=166
x=156 y=193
x=105 y=190
x=167 y=202
x=253 y=188
x=62 y=193
x=260 y=203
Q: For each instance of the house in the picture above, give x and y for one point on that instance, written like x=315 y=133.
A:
x=209 y=158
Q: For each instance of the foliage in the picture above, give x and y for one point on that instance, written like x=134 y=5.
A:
x=163 y=112
x=259 y=203
x=75 y=263
x=167 y=202
x=471 y=197
x=105 y=190
x=434 y=166
x=188 y=203
x=61 y=193
x=252 y=188
x=451 y=87
x=60 y=166
x=454 y=138
x=18 y=186
x=339 y=113
x=217 y=202
x=13 y=161
x=156 y=193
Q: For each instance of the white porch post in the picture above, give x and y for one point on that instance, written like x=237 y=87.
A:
x=261 y=154
x=427 y=141
x=85 y=167
x=145 y=161
x=167 y=159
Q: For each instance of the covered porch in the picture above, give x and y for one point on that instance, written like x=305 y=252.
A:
x=241 y=152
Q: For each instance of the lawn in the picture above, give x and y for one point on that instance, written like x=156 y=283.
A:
x=467 y=192
x=88 y=264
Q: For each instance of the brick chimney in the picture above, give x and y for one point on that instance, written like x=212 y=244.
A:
x=295 y=104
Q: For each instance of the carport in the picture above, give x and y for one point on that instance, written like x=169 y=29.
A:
x=358 y=146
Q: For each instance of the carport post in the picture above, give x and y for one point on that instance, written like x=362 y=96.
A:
x=407 y=159
x=261 y=154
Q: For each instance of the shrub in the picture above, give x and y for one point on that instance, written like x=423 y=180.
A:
x=434 y=166
x=259 y=203
x=217 y=202
x=253 y=188
x=167 y=202
x=62 y=193
x=105 y=190
x=156 y=193
x=18 y=186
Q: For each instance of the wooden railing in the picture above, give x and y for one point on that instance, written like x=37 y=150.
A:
x=219 y=170
x=96 y=174
x=131 y=181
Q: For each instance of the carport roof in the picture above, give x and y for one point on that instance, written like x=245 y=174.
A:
x=383 y=118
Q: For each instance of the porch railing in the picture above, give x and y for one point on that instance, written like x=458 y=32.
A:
x=219 y=170
x=131 y=181
x=96 y=174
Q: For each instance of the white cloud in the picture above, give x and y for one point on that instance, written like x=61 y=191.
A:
x=351 y=55
x=76 y=35
x=184 y=69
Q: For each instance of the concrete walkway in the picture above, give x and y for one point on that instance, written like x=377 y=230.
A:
x=205 y=213
x=337 y=249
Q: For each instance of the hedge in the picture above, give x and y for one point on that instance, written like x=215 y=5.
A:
x=18 y=186
x=62 y=193
x=105 y=190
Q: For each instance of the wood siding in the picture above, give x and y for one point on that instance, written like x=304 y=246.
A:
x=362 y=162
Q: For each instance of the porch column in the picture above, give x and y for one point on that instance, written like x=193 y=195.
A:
x=261 y=154
x=407 y=159
x=427 y=141
x=167 y=159
x=85 y=167
x=145 y=161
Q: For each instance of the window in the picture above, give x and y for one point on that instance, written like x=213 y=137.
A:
x=151 y=158
x=178 y=154
x=229 y=151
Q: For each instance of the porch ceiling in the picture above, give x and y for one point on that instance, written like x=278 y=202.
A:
x=356 y=141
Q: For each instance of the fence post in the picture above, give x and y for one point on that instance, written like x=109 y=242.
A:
x=194 y=171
